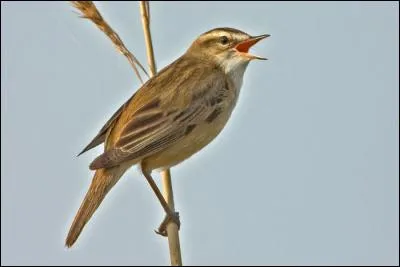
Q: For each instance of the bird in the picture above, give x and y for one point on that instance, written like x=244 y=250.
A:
x=175 y=114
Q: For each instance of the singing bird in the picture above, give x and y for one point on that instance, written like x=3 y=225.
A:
x=172 y=116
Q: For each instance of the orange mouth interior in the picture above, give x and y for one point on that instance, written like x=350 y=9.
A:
x=245 y=45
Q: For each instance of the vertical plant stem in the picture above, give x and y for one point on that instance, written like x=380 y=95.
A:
x=145 y=12
x=172 y=228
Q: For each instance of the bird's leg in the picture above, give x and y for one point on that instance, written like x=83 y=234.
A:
x=170 y=215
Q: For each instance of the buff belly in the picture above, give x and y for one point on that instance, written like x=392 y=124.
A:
x=201 y=136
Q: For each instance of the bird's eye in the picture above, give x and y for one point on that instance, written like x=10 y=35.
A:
x=224 y=40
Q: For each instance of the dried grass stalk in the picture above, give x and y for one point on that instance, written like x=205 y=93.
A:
x=172 y=228
x=89 y=11
x=145 y=12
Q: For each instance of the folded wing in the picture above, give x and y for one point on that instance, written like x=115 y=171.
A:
x=160 y=124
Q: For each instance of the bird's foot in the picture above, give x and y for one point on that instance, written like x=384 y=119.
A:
x=169 y=217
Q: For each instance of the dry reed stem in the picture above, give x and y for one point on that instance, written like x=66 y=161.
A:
x=89 y=11
x=145 y=12
x=172 y=227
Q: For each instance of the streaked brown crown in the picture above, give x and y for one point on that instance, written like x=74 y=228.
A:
x=217 y=41
x=226 y=30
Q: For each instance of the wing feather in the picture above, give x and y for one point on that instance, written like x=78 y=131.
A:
x=101 y=136
x=157 y=125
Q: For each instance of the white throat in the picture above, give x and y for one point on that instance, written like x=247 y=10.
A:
x=235 y=68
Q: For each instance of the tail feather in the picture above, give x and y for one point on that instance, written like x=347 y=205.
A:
x=103 y=181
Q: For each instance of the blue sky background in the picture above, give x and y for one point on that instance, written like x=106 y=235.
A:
x=305 y=173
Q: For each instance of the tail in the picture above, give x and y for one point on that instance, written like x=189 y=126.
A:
x=103 y=181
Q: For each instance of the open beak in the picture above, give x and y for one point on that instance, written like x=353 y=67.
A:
x=244 y=46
